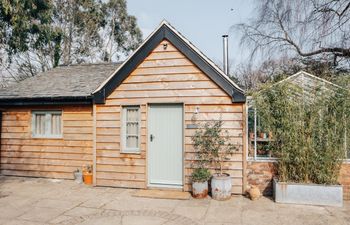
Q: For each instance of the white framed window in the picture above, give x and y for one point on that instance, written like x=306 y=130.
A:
x=131 y=126
x=47 y=124
x=259 y=139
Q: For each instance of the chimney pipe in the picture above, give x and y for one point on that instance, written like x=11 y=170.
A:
x=225 y=59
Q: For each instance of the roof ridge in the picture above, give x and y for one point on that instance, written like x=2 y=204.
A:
x=89 y=64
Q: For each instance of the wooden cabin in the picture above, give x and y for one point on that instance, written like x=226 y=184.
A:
x=132 y=121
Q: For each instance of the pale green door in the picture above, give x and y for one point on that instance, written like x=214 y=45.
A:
x=165 y=143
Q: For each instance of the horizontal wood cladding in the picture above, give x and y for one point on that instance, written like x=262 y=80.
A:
x=22 y=155
x=165 y=76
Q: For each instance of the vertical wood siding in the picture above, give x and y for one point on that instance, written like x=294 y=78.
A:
x=165 y=76
x=23 y=155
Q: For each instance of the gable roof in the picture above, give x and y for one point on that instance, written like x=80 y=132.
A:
x=308 y=86
x=306 y=77
x=92 y=83
x=166 y=31
x=64 y=84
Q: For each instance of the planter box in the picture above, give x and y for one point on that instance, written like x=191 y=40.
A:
x=309 y=194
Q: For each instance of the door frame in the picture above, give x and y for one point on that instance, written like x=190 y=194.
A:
x=147 y=180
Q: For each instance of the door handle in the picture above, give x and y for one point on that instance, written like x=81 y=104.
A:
x=151 y=137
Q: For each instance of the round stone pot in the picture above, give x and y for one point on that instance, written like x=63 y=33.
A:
x=200 y=189
x=221 y=186
x=78 y=177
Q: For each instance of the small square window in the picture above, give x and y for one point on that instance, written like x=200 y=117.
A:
x=131 y=129
x=47 y=124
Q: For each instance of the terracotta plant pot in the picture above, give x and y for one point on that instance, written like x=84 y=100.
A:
x=87 y=178
x=254 y=193
x=221 y=186
x=200 y=189
x=263 y=135
x=251 y=135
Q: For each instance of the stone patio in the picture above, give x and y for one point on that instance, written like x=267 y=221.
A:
x=45 y=201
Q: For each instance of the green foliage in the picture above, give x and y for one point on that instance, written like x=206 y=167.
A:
x=38 y=35
x=25 y=24
x=309 y=129
x=212 y=144
x=200 y=175
x=122 y=28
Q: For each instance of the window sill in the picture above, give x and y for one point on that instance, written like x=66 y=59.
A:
x=47 y=137
x=131 y=152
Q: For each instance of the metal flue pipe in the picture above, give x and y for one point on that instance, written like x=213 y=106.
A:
x=225 y=51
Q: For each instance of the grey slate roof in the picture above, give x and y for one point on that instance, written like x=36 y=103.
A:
x=63 y=81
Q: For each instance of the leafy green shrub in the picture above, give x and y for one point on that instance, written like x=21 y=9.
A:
x=200 y=175
x=212 y=144
x=309 y=129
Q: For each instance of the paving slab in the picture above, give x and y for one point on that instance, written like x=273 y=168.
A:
x=115 y=220
x=135 y=203
x=56 y=202
x=42 y=215
x=146 y=220
x=82 y=211
x=196 y=213
x=11 y=212
x=22 y=222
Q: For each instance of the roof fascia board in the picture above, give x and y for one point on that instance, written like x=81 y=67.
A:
x=165 y=32
x=209 y=61
x=237 y=95
x=46 y=101
x=117 y=78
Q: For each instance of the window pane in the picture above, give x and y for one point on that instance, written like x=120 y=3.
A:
x=132 y=114
x=39 y=124
x=46 y=124
x=132 y=142
x=251 y=132
x=55 y=124
x=132 y=128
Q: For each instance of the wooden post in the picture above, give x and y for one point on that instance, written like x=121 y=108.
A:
x=94 y=144
x=245 y=146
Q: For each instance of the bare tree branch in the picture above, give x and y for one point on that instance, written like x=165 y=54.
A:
x=318 y=29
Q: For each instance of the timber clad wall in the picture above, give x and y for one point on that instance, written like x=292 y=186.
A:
x=165 y=76
x=23 y=155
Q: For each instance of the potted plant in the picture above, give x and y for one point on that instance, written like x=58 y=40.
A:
x=214 y=147
x=200 y=177
x=87 y=174
x=308 y=135
x=262 y=135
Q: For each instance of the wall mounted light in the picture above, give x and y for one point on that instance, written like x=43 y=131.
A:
x=196 y=111
x=165 y=46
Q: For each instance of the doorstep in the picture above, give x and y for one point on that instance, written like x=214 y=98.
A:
x=162 y=194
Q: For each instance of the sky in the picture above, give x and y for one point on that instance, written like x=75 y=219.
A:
x=203 y=22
